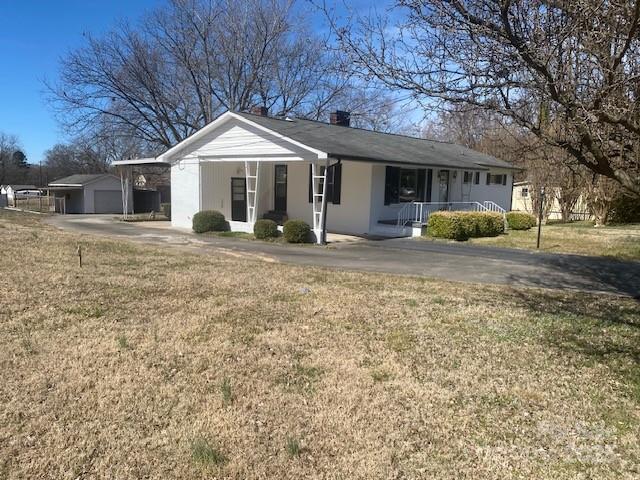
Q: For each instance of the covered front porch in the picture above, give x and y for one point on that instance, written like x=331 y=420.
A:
x=361 y=198
x=245 y=191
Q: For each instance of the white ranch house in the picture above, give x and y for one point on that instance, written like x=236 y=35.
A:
x=249 y=165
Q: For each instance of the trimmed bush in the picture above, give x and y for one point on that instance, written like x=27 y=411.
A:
x=265 y=228
x=625 y=209
x=209 y=221
x=166 y=210
x=464 y=225
x=296 y=231
x=520 y=220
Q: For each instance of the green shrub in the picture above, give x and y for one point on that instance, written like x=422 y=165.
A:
x=625 y=209
x=209 y=221
x=265 y=228
x=296 y=231
x=520 y=220
x=166 y=210
x=464 y=225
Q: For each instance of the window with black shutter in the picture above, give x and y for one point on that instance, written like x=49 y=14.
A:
x=336 y=177
x=477 y=178
x=334 y=183
x=422 y=176
x=391 y=185
x=407 y=185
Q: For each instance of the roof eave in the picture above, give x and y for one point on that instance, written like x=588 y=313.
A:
x=356 y=158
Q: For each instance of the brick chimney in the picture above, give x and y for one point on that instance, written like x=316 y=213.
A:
x=340 y=117
x=262 y=111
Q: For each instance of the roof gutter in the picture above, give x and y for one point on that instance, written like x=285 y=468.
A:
x=356 y=158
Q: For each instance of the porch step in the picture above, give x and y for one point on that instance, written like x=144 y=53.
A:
x=387 y=230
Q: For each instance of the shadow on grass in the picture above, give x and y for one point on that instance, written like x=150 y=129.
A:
x=602 y=329
x=606 y=310
x=586 y=273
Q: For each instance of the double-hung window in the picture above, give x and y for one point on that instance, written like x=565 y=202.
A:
x=499 y=179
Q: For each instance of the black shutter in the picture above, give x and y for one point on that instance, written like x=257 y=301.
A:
x=504 y=179
x=477 y=179
x=336 y=171
x=421 y=179
x=488 y=178
x=329 y=190
x=334 y=183
x=429 y=184
x=391 y=185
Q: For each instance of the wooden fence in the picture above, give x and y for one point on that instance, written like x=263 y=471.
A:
x=33 y=203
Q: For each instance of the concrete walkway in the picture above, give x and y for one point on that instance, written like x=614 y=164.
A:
x=449 y=261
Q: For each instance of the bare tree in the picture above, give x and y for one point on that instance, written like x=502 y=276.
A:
x=184 y=64
x=76 y=157
x=570 y=187
x=13 y=162
x=600 y=193
x=575 y=63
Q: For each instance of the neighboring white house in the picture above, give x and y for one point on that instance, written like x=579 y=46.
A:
x=11 y=191
x=94 y=193
x=248 y=165
x=521 y=200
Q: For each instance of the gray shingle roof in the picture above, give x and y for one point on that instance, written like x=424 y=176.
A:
x=79 y=179
x=360 y=144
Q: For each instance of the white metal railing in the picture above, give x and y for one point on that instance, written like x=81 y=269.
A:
x=493 y=207
x=419 y=212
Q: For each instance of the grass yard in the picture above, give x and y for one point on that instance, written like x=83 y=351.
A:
x=578 y=237
x=163 y=363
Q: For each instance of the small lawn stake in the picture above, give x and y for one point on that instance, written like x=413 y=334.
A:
x=80 y=255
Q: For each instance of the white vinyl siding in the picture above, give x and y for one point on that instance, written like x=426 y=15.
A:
x=236 y=141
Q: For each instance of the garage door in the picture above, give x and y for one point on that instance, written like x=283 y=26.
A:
x=107 y=201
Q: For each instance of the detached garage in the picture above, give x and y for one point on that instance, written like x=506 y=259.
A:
x=96 y=193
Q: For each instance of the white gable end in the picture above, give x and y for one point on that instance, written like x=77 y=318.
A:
x=236 y=140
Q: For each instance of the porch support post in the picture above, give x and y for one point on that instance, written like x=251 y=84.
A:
x=319 y=201
x=253 y=182
x=124 y=185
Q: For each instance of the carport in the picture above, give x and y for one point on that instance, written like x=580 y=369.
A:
x=142 y=198
x=87 y=193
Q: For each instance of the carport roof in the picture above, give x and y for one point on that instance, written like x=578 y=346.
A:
x=79 y=180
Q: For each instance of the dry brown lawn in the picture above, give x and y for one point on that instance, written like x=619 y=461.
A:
x=580 y=238
x=161 y=363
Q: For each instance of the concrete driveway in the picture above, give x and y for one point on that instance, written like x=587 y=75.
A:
x=449 y=261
